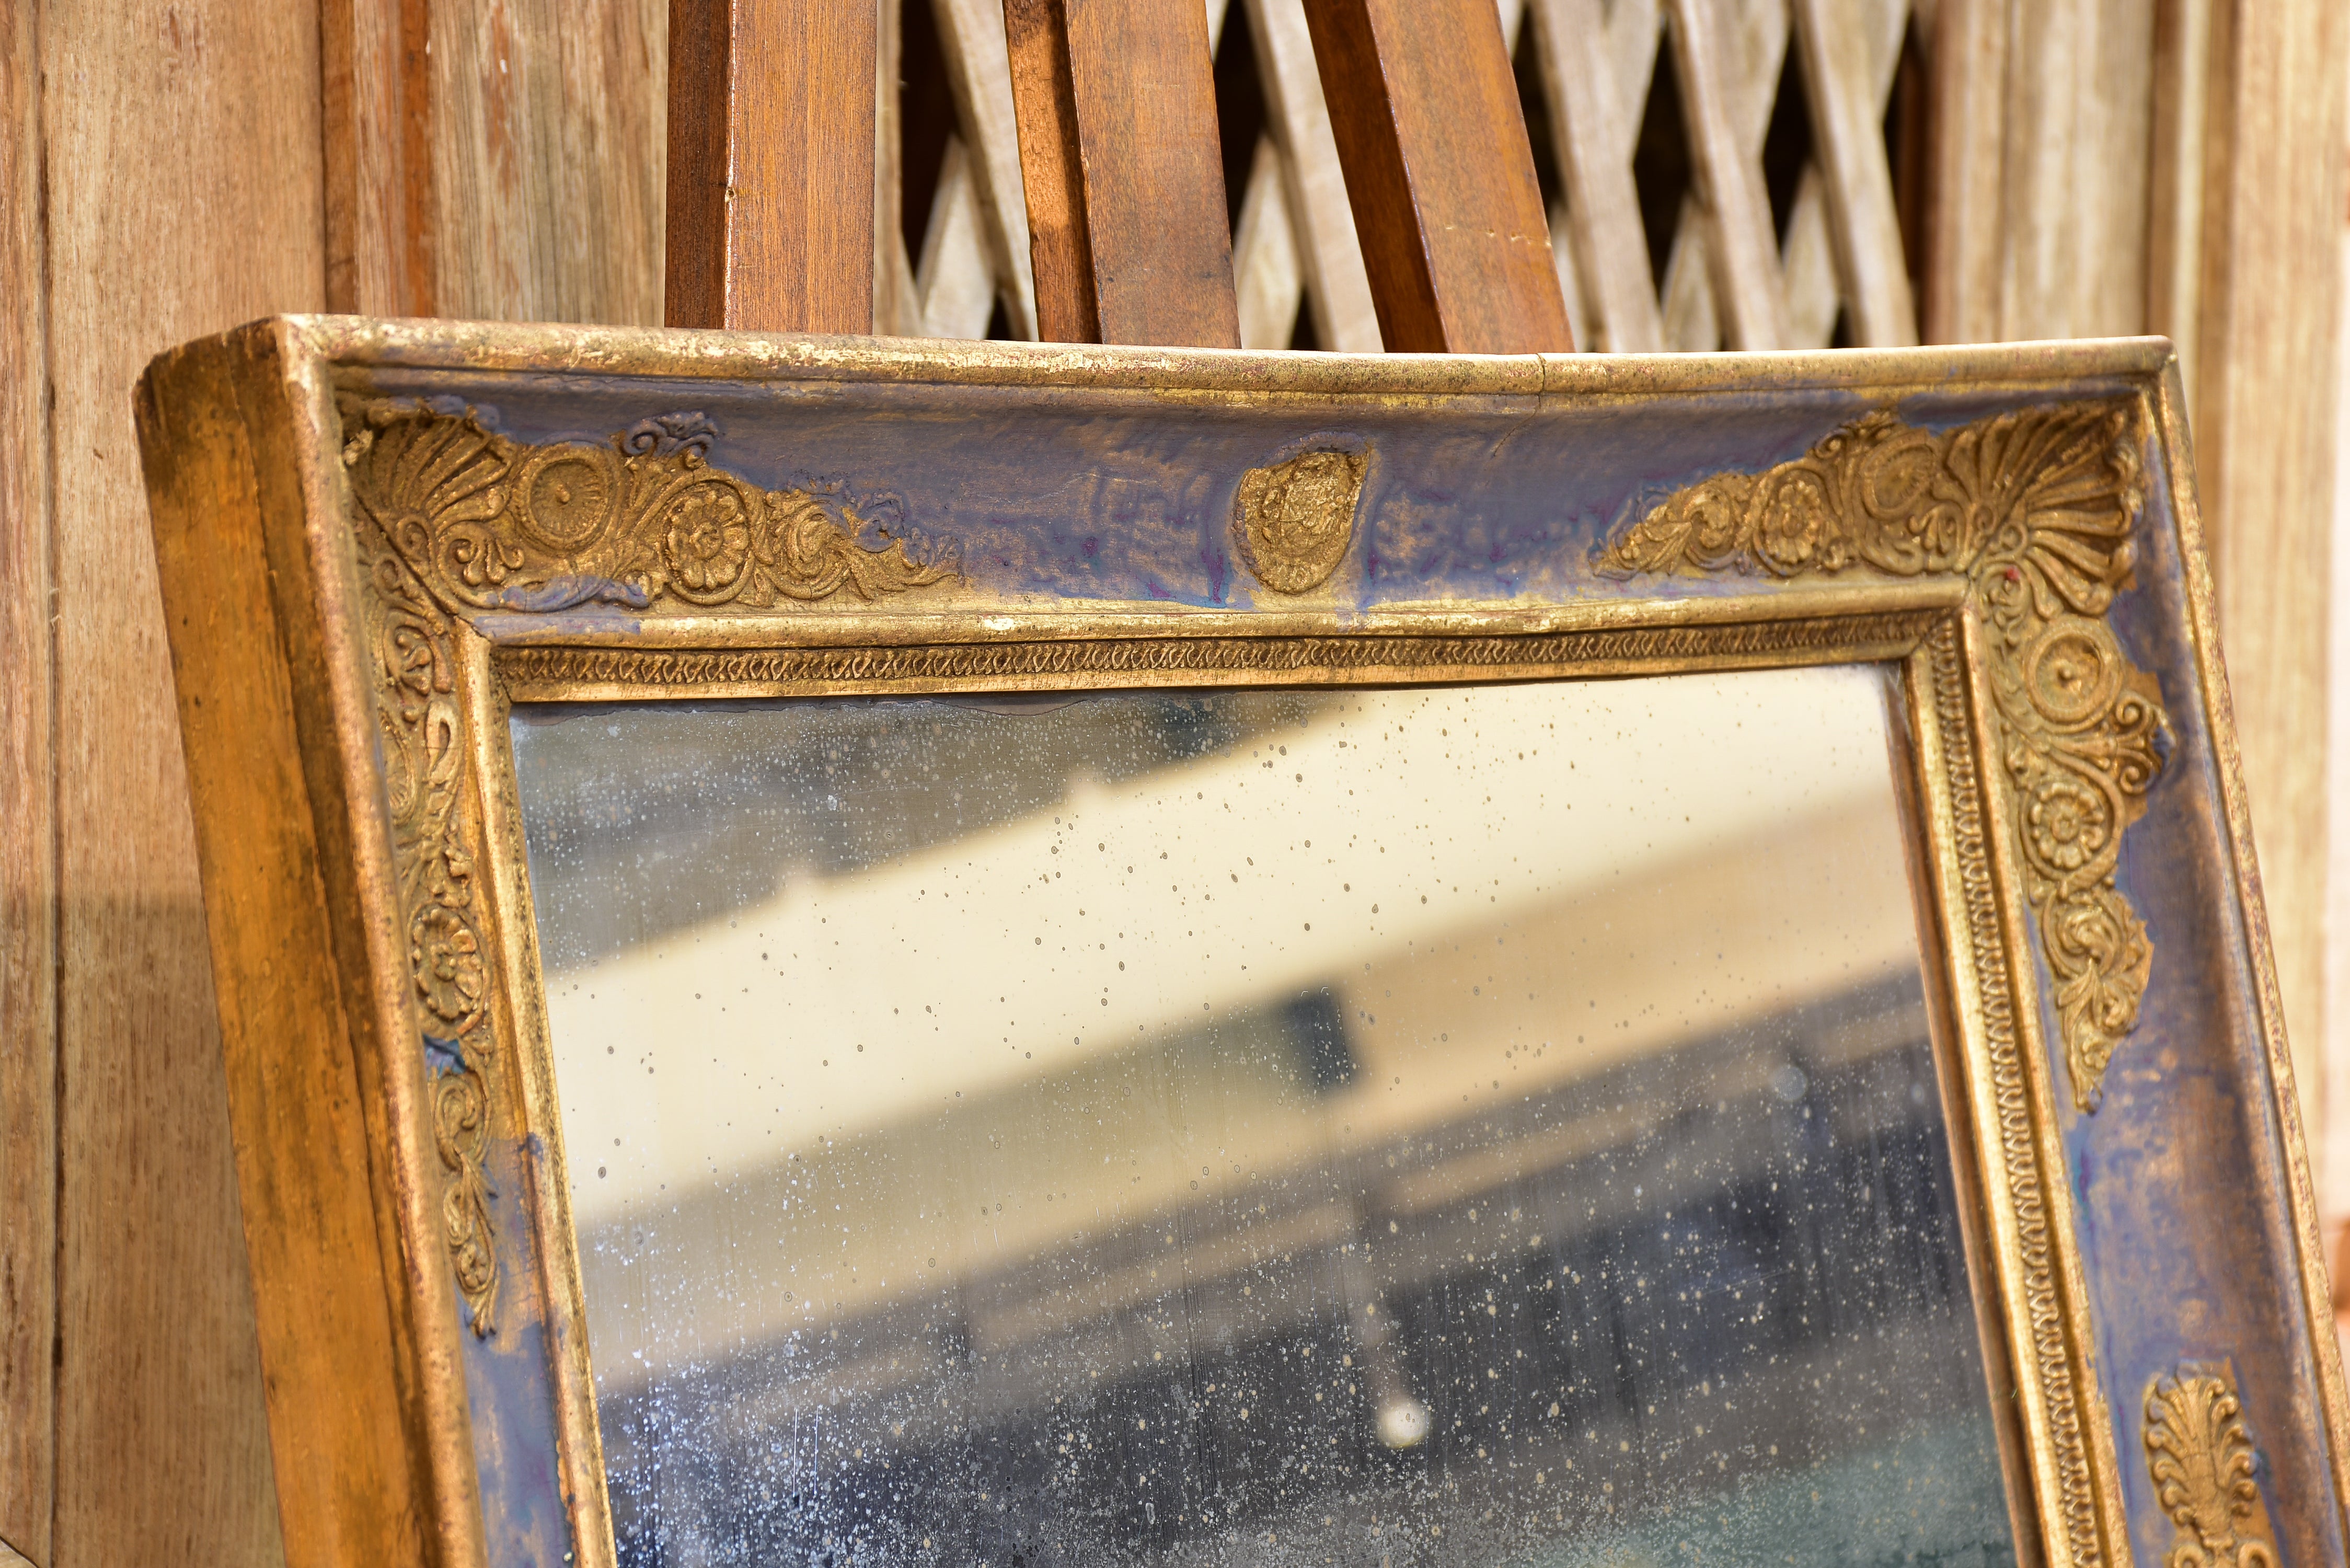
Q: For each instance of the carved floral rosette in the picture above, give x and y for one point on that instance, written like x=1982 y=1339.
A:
x=2037 y=508
x=450 y=519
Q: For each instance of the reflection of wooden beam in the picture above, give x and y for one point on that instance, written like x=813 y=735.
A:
x=771 y=164
x=1440 y=174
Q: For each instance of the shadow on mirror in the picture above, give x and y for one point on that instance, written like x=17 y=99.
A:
x=1475 y=1124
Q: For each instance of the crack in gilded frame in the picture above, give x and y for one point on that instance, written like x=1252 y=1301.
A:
x=2034 y=508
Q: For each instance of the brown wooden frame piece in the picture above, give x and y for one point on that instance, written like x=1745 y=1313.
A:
x=1440 y=174
x=771 y=164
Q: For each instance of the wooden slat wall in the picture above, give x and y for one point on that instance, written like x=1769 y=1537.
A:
x=28 y=902
x=179 y=192
x=2096 y=166
x=496 y=159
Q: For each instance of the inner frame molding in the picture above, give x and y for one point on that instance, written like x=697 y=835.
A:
x=2024 y=550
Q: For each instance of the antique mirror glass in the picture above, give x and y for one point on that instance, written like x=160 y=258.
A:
x=1381 y=1125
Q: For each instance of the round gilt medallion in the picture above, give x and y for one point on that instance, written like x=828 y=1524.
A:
x=1293 y=521
x=567 y=495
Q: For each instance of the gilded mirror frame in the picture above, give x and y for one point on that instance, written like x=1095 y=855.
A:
x=375 y=537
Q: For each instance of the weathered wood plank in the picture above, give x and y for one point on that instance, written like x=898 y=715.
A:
x=979 y=73
x=1143 y=88
x=493 y=159
x=1965 y=228
x=956 y=287
x=1841 y=76
x=201 y=206
x=1595 y=137
x=1267 y=274
x=1741 y=248
x=1337 y=289
x=1441 y=175
x=28 y=781
x=2270 y=312
x=2174 y=258
x=771 y=170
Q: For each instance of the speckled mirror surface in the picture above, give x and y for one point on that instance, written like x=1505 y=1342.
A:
x=1453 y=1124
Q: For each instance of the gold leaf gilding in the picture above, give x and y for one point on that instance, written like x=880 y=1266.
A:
x=2037 y=508
x=2203 y=1465
x=450 y=519
x=1293 y=521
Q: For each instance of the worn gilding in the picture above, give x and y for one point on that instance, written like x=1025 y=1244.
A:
x=2037 y=508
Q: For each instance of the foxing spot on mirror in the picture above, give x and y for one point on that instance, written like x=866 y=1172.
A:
x=1456 y=1124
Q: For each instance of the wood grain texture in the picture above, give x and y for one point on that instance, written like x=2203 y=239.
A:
x=771 y=173
x=199 y=205
x=1142 y=85
x=1964 y=233
x=2038 y=206
x=2174 y=239
x=1268 y=275
x=493 y=159
x=1441 y=175
x=1743 y=251
x=1588 y=102
x=28 y=889
x=1337 y=289
x=1051 y=172
x=979 y=74
x=2273 y=198
x=1841 y=77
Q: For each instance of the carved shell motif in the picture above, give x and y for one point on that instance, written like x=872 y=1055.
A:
x=488 y=524
x=1292 y=521
x=2037 y=506
x=449 y=517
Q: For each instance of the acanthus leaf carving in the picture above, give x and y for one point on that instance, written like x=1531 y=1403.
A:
x=2037 y=507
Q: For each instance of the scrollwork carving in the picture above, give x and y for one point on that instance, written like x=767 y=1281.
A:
x=450 y=519
x=2203 y=1465
x=411 y=646
x=488 y=524
x=2037 y=508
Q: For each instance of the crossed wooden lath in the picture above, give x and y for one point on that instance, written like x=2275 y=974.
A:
x=1392 y=197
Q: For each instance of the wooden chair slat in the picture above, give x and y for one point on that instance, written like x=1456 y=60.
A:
x=1749 y=293
x=1118 y=152
x=1441 y=175
x=1595 y=139
x=1337 y=289
x=1051 y=172
x=1844 y=79
x=770 y=229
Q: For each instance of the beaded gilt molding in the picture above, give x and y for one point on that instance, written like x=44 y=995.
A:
x=450 y=518
x=2037 y=508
